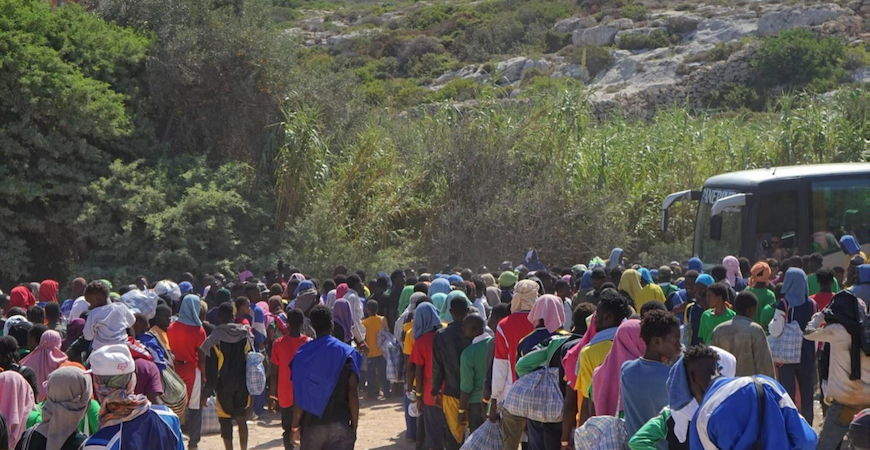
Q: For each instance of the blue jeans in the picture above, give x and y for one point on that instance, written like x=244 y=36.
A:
x=377 y=372
x=833 y=430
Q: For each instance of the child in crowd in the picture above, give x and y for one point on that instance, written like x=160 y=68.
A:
x=376 y=370
x=473 y=366
x=718 y=312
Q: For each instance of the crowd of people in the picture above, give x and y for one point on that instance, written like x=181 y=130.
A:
x=604 y=355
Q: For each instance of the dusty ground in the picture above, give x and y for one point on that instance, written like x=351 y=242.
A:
x=382 y=426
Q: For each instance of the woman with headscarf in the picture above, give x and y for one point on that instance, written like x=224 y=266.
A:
x=446 y=317
x=650 y=289
x=16 y=402
x=734 y=274
x=48 y=292
x=797 y=306
x=405 y=299
x=627 y=346
x=45 y=359
x=510 y=331
x=426 y=322
x=506 y=282
x=127 y=419
x=343 y=320
x=21 y=297
x=630 y=284
x=69 y=396
x=186 y=335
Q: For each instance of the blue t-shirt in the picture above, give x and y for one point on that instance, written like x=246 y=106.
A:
x=157 y=429
x=644 y=392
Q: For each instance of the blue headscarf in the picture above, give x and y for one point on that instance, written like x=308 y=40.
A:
x=794 y=287
x=586 y=280
x=439 y=286
x=696 y=264
x=425 y=320
x=446 y=316
x=654 y=273
x=645 y=275
x=454 y=279
x=850 y=245
x=615 y=257
x=387 y=276
x=303 y=285
x=189 y=312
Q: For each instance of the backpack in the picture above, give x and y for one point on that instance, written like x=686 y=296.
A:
x=174 y=391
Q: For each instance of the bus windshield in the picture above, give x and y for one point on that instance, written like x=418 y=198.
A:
x=710 y=251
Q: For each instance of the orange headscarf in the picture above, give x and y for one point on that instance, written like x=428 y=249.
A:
x=760 y=273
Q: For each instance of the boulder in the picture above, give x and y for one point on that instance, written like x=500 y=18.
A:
x=538 y=64
x=622 y=24
x=862 y=75
x=682 y=23
x=573 y=24
x=775 y=22
x=512 y=69
x=571 y=71
x=724 y=29
x=600 y=35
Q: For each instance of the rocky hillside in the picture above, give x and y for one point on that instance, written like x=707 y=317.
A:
x=634 y=57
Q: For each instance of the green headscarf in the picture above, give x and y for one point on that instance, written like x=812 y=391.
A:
x=507 y=279
x=445 y=308
x=405 y=298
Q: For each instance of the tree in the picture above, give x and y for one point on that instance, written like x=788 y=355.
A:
x=62 y=114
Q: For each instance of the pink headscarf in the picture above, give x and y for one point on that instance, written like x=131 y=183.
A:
x=569 y=362
x=341 y=290
x=244 y=276
x=45 y=359
x=298 y=277
x=15 y=403
x=267 y=313
x=733 y=266
x=627 y=346
x=551 y=310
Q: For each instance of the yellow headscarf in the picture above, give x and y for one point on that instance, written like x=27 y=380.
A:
x=630 y=283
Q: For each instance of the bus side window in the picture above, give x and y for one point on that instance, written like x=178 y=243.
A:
x=839 y=208
x=775 y=230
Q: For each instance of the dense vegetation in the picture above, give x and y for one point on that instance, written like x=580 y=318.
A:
x=156 y=140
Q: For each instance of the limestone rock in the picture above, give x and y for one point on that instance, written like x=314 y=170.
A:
x=512 y=69
x=775 y=22
x=682 y=23
x=862 y=75
x=600 y=35
x=573 y=24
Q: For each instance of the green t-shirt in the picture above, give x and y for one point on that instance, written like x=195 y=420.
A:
x=813 y=284
x=709 y=322
x=472 y=369
x=92 y=416
x=765 y=298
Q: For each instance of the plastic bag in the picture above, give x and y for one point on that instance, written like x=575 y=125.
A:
x=536 y=396
x=255 y=373
x=486 y=437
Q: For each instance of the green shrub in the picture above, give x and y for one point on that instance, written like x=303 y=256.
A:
x=596 y=58
x=532 y=74
x=430 y=65
x=635 y=11
x=555 y=40
x=540 y=86
x=797 y=57
x=458 y=90
x=720 y=52
x=856 y=57
x=737 y=96
x=639 y=41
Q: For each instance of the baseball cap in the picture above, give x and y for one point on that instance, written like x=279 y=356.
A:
x=111 y=360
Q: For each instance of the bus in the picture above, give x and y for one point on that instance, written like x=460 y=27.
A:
x=778 y=212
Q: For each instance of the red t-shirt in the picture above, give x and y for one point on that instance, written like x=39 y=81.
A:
x=823 y=299
x=422 y=356
x=283 y=351
x=184 y=340
x=512 y=329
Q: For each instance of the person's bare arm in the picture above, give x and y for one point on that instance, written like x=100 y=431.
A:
x=202 y=358
x=273 y=386
x=410 y=373
x=353 y=400
x=569 y=415
x=419 y=379
x=463 y=406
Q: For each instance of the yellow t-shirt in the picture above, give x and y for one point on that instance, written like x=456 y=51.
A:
x=373 y=325
x=648 y=293
x=408 y=344
x=590 y=358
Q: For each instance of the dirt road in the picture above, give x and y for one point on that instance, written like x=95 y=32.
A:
x=382 y=426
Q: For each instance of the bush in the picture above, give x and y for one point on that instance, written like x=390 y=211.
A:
x=639 y=41
x=596 y=59
x=555 y=40
x=737 y=96
x=635 y=11
x=856 y=57
x=532 y=74
x=458 y=90
x=430 y=65
x=797 y=57
x=720 y=52
x=415 y=48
